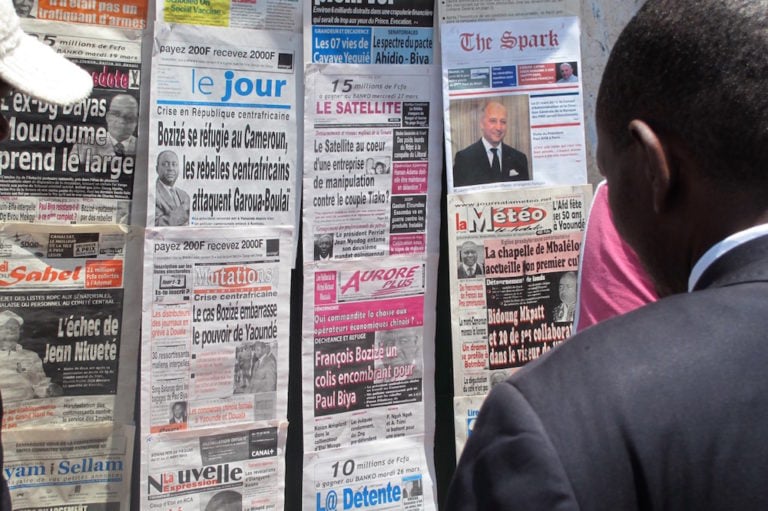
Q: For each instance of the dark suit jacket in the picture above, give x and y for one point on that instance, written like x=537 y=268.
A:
x=166 y=211
x=663 y=408
x=471 y=166
x=463 y=274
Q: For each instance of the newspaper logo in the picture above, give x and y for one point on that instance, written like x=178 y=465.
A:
x=491 y=219
x=386 y=281
x=21 y=274
x=360 y=498
x=195 y=479
x=233 y=276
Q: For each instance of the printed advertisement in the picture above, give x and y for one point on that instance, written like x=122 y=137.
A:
x=223 y=141
x=369 y=32
x=512 y=94
x=387 y=475
x=363 y=353
x=86 y=468
x=220 y=469
x=61 y=324
x=372 y=161
x=75 y=164
x=215 y=327
x=130 y=14
x=254 y=14
x=513 y=260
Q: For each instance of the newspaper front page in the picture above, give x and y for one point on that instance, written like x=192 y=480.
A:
x=61 y=319
x=61 y=164
x=513 y=84
x=69 y=469
x=370 y=159
x=385 y=475
x=382 y=32
x=513 y=260
x=215 y=327
x=363 y=352
x=219 y=468
x=223 y=144
x=248 y=14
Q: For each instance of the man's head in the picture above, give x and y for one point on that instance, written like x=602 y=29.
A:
x=493 y=122
x=23 y=7
x=567 y=288
x=168 y=167
x=566 y=71
x=122 y=116
x=469 y=253
x=179 y=409
x=683 y=130
x=10 y=329
x=227 y=500
x=324 y=244
x=34 y=68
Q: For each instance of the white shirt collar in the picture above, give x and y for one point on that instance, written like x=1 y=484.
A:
x=720 y=248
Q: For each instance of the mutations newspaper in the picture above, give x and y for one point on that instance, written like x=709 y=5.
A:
x=215 y=327
x=513 y=262
x=515 y=86
x=369 y=136
x=75 y=164
x=222 y=141
x=63 y=358
x=220 y=468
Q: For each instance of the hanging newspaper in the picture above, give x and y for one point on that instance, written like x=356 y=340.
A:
x=370 y=32
x=387 y=475
x=63 y=355
x=223 y=141
x=131 y=14
x=65 y=468
x=364 y=367
x=513 y=85
x=220 y=468
x=513 y=261
x=215 y=327
x=482 y=10
x=59 y=164
x=253 y=14
x=372 y=165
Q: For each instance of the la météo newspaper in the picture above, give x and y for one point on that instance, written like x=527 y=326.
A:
x=61 y=299
x=215 y=328
x=371 y=160
x=223 y=106
x=58 y=164
x=512 y=260
x=390 y=474
x=226 y=467
x=69 y=469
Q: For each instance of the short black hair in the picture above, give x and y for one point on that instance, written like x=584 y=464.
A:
x=695 y=69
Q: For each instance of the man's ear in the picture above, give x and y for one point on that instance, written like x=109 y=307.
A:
x=659 y=171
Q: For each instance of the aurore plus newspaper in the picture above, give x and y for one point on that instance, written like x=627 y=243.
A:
x=239 y=467
x=223 y=143
x=87 y=467
x=513 y=260
x=64 y=355
x=77 y=163
x=513 y=86
x=215 y=327
x=372 y=161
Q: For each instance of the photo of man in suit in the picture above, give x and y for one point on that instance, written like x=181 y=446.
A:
x=122 y=118
x=469 y=267
x=564 y=312
x=566 y=74
x=178 y=413
x=171 y=202
x=490 y=160
x=323 y=250
x=664 y=407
